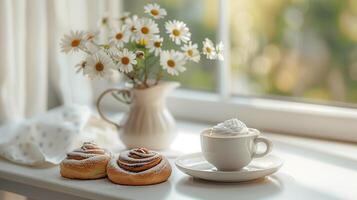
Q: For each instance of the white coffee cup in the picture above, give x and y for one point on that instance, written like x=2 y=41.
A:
x=231 y=153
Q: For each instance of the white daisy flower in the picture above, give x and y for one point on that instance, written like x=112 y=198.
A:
x=130 y=25
x=208 y=49
x=125 y=16
x=155 y=11
x=106 y=20
x=140 y=54
x=119 y=36
x=98 y=65
x=91 y=35
x=173 y=62
x=80 y=66
x=145 y=29
x=219 y=51
x=111 y=51
x=191 y=52
x=72 y=42
x=155 y=45
x=178 y=31
x=126 y=60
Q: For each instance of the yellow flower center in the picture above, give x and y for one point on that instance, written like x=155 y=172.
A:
x=125 y=60
x=157 y=44
x=75 y=42
x=133 y=29
x=105 y=20
x=176 y=32
x=171 y=63
x=154 y=12
x=123 y=18
x=119 y=36
x=209 y=50
x=190 y=52
x=99 y=67
x=145 y=30
x=83 y=64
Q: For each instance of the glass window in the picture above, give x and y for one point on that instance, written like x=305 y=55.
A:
x=295 y=49
x=201 y=16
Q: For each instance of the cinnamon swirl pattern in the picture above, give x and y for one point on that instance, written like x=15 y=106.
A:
x=138 y=167
x=87 y=162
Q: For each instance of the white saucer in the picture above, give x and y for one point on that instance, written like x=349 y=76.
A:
x=195 y=165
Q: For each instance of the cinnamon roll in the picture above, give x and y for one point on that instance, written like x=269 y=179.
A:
x=87 y=162
x=138 y=167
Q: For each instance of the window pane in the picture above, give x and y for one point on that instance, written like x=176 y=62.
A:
x=201 y=16
x=301 y=49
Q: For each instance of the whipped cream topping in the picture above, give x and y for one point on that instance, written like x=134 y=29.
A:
x=231 y=127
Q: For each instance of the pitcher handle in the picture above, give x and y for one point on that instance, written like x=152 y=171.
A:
x=100 y=99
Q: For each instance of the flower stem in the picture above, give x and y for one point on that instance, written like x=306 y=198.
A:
x=159 y=75
x=145 y=69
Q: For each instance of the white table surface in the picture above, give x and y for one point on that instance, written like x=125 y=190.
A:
x=313 y=169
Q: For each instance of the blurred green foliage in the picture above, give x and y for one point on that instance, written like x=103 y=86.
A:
x=301 y=50
x=316 y=43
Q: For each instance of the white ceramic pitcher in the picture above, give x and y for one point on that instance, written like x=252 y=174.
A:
x=148 y=123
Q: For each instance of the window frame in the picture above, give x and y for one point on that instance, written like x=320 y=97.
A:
x=285 y=117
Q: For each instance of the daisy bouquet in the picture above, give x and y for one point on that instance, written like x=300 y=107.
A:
x=135 y=47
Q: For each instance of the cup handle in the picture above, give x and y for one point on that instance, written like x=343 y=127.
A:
x=268 y=144
x=112 y=90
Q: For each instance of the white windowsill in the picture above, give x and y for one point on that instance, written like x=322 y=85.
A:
x=313 y=169
x=296 y=118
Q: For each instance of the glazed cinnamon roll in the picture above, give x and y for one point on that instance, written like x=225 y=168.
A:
x=87 y=162
x=138 y=167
